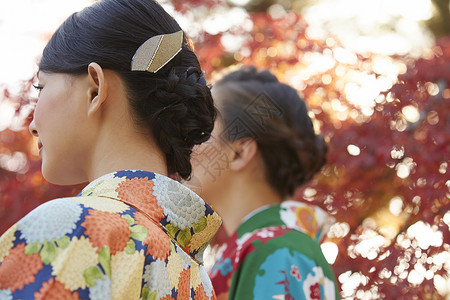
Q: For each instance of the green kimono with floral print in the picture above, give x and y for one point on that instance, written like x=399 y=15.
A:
x=127 y=235
x=275 y=254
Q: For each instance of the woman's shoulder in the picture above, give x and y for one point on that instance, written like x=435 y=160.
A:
x=288 y=244
x=69 y=216
x=276 y=236
x=50 y=220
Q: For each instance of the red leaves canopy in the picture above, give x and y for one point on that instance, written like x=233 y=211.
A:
x=392 y=151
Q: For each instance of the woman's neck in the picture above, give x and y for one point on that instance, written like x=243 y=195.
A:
x=125 y=150
x=240 y=198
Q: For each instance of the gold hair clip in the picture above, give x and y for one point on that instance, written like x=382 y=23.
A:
x=157 y=51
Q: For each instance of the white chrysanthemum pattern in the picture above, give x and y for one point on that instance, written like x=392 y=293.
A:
x=185 y=258
x=51 y=220
x=181 y=206
x=101 y=290
x=156 y=278
x=5 y=295
x=207 y=285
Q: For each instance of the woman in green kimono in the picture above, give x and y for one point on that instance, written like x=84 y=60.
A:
x=122 y=101
x=263 y=148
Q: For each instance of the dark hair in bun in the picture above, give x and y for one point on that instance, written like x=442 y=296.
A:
x=174 y=105
x=254 y=104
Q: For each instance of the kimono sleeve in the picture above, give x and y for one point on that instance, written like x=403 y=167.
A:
x=46 y=254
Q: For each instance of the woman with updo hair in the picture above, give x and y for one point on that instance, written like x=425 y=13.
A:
x=122 y=102
x=262 y=149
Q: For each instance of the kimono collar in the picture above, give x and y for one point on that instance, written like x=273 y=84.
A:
x=295 y=215
x=181 y=213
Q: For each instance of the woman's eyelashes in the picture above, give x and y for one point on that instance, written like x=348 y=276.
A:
x=38 y=87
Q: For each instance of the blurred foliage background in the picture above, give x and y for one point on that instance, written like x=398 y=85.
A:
x=376 y=77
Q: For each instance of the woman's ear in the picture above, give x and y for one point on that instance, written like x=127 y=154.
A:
x=245 y=150
x=97 y=91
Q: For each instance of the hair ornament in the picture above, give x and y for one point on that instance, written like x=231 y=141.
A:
x=157 y=51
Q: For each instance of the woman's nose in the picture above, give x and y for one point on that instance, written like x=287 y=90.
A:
x=32 y=129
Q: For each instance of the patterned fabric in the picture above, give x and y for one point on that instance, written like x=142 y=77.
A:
x=275 y=254
x=127 y=235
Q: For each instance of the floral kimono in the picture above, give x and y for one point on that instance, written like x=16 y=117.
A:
x=127 y=235
x=275 y=254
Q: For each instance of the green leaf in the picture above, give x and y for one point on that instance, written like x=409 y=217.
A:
x=139 y=232
x=172 y=246
x=63 y=242
x=91 y=274
x=129 y=219
x=145 y=293
x=172 y=230
x=49 y=252
x=152 y=296
x=200 y=225
x=88 y=192
x=184 y=236
x=104 y=257
x=130 y=248
x=33 y=248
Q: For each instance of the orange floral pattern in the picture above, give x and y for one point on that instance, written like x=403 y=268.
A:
x=13 y=278
x=138 y=192
x=158 y=245
x=200 y=293
x=55 y=290
x=113 y=241
x=107 y=229
x=184 y=290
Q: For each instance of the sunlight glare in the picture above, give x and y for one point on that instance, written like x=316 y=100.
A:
x=339 y=230
x=7 y=112
x=447 y=218
x=330 y=251
x=16 y=162
x=222 y=21
x=442 y=284
x=353 y=150
x=415 y=277
x=396 y=206
x=404 y=168
x=385 y=27
x=417 y=10
x=425 y=235
x=24 y=42
x=240 y=2
x=411 y=113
